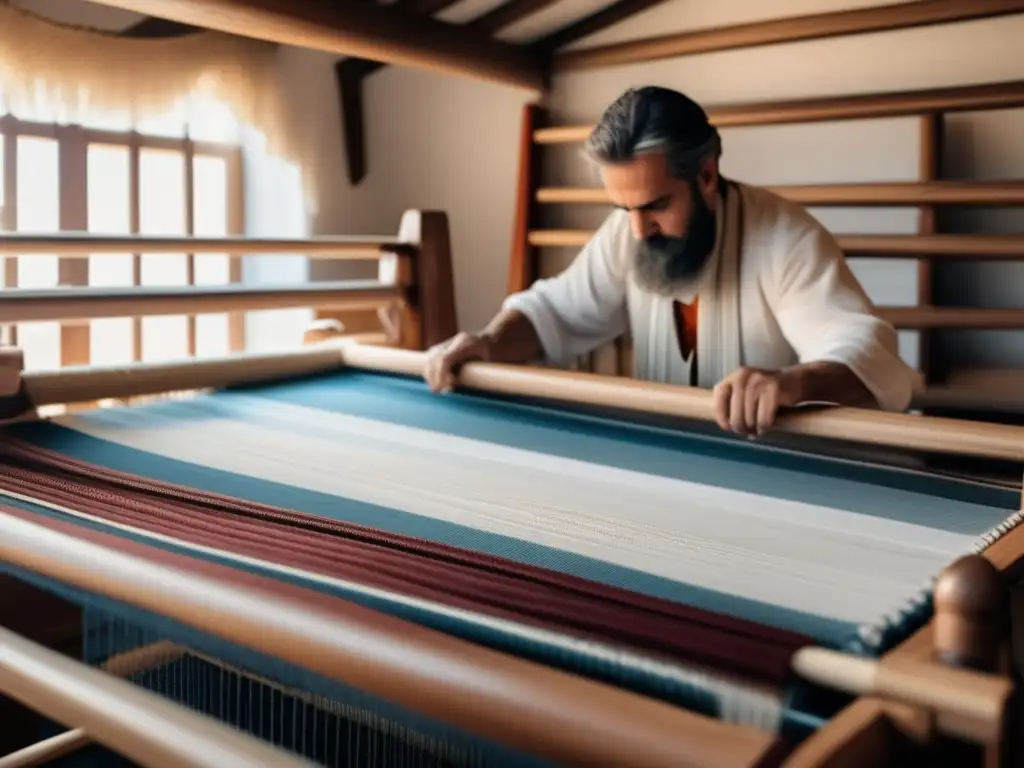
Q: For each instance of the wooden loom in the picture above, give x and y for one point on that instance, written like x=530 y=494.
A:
x=916 y=693
x=962 y=390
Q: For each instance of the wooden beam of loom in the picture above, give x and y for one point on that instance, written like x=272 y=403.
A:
x=880 y=194
x=351 y=72
x=895 y=430
x=357 y=29
x=884 y=18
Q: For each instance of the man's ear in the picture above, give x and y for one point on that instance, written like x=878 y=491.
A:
x=707 y=181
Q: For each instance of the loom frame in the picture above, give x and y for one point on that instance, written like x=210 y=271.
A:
x=854 y=733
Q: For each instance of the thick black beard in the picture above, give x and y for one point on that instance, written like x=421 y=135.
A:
x=669 y=266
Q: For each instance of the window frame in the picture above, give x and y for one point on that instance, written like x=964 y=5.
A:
x=73 y=142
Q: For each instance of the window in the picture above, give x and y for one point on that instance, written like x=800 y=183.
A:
x=118 y=183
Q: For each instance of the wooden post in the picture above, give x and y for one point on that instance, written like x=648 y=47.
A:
x=522 y=264
x=929 y=169
x=426 y=270
x=971 y=621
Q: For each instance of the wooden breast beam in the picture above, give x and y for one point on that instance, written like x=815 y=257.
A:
x=898 y=430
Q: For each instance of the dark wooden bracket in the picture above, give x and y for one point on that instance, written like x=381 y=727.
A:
x=350 y=74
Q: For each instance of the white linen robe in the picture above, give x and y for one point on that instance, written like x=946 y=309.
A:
x=777 y=292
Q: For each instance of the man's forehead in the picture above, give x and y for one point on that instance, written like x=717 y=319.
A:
x=638 y=182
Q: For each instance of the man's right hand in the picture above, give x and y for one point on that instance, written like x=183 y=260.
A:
x=444 y=359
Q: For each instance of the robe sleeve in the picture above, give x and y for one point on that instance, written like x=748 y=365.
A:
x=584 y=306
x=826 y=316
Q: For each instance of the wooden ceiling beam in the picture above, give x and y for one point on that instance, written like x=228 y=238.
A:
x=508 y=13
x=357 y=29
x=596 y=22
x=817 y=26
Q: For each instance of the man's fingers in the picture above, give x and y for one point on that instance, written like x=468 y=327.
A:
x=754 y=393
x=767 y=407
x=737 y=409
x=722 y=398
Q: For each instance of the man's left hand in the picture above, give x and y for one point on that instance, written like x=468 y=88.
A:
x=747 y=400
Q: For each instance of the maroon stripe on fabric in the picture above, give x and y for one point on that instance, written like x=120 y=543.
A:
x=409 y=566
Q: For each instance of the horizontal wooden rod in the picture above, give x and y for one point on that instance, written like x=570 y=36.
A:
x=978 y=389
x=885 y=18
x=142 y=726
x=969 y=98
x=47 y=751
x=880 y=194
x=968 y=705
x=122 y=665
x=79 y=384
x=83 y=244
x=980 y=318
x=972 y=247
x=89 y=383
x=897 y=430
x=359 y=29
x=21 y=305
x=545 y=712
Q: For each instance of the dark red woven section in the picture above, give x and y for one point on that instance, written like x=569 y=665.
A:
x=439 y=573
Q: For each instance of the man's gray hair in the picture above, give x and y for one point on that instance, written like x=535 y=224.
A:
x=654 y=119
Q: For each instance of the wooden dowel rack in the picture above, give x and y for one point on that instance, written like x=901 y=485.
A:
x=74 y=304
x=881 y=194
x=870 y=106
x=80 y=244
x=967 y=247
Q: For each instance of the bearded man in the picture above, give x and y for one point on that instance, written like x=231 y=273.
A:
x=722 y=285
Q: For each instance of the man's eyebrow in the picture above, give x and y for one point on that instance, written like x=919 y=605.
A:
x=645 y=206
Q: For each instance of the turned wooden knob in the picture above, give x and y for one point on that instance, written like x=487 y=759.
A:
x=971 y=603
x=12 y=363
x=324 y=329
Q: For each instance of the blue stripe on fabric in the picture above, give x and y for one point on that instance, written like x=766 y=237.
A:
x=827 y=631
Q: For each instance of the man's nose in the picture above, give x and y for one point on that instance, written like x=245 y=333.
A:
x=642 y=225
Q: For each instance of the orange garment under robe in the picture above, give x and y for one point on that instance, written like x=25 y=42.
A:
x=686 y=330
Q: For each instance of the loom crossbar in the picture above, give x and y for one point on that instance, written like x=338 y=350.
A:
x=898 y=430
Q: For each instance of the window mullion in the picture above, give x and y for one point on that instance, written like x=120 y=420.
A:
x=74 y=217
